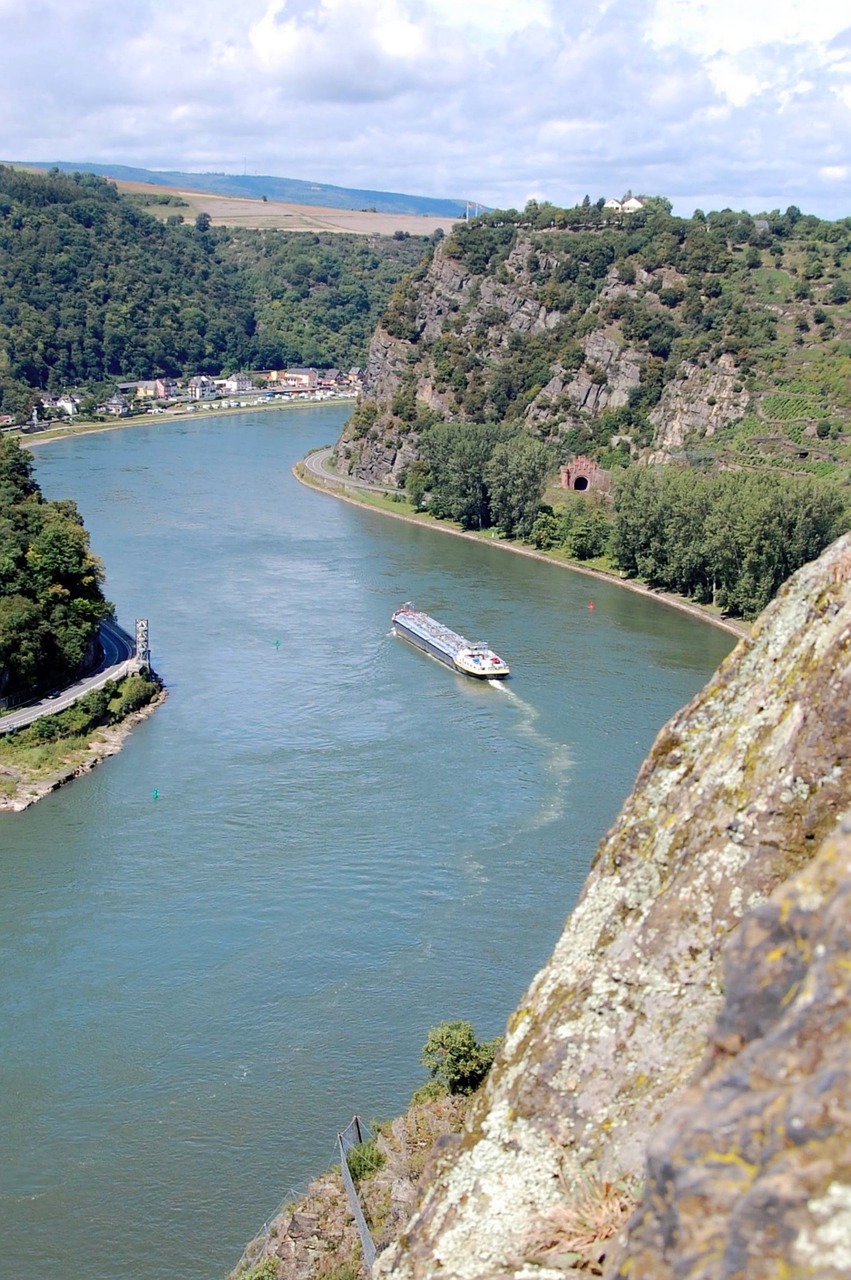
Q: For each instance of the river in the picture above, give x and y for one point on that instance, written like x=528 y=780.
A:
x=227 y=939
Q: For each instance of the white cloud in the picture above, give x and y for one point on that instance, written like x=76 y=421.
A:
x=486 y=99
x=737 y=86
x=491 y=22
x=708 y=27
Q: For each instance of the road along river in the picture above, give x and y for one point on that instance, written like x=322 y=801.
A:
x=229 y=937
x=118 y=661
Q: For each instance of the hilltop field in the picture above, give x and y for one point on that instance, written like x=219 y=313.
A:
x=274 y=215
x=163 y=201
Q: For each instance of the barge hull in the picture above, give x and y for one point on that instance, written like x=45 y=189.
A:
x=425 y=645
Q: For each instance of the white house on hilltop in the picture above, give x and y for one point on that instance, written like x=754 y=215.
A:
x=629 y=204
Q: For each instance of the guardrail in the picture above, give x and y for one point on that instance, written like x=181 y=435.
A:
x=265 y=1243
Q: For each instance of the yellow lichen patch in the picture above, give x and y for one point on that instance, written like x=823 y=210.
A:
x=732 y=1159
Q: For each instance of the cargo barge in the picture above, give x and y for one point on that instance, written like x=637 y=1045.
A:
x=471 y=658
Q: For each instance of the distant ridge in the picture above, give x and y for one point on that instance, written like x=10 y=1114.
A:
x=288 y=190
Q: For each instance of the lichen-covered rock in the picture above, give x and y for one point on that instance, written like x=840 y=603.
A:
x=737 y=794
x=751 y=1173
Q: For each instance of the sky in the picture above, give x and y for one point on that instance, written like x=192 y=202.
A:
x=712 y=103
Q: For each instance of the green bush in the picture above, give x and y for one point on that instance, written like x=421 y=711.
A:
x=133 y=692
x=456 y=1059
x=265 y=1270
x=364 y=1159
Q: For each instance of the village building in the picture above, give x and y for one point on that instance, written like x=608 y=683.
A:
x=68 y=404
x=299 y=379
x=236 y=383
x=115 y=406
x=200 y=387
x=150 y=389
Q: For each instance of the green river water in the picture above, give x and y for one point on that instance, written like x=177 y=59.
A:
x=348 y=843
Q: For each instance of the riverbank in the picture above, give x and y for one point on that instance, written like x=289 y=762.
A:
x=210 y=410
x=23 y=784
x=358 y=495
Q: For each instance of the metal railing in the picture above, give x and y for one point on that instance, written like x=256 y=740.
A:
x=352 y=1136
x=258 y=1247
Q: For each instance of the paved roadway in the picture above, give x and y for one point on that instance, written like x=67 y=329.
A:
x=317 y=463
x=119 y=659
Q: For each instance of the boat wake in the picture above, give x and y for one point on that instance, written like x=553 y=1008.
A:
x=558 y=761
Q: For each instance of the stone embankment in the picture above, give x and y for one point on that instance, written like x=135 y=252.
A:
x=20 y=788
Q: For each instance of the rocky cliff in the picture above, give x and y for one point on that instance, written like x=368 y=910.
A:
x=656 y=341
x=686 y=1046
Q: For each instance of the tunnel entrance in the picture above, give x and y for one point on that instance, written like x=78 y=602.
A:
x=583 y=474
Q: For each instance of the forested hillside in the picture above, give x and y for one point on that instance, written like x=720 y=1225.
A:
x=93 y=289
x=51 y=601
x=720 y=342
x=629 y=335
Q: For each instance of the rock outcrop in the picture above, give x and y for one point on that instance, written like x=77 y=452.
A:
x=457 y=339
x=698 y=1000
x=608 y=373
x=753 y=1167
x=695 y=405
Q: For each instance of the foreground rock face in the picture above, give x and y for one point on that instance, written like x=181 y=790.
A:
x=754 y=1165
x=739 y=792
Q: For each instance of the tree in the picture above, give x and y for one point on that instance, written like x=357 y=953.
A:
x=590 y=536
x=456 y=1059
x=457 y=455
x=51 y=601
x=730 y=537
x=515 y=476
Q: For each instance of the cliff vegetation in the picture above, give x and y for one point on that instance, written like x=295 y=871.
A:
x=51 y=597
x=94 y=289
x=719 y=344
